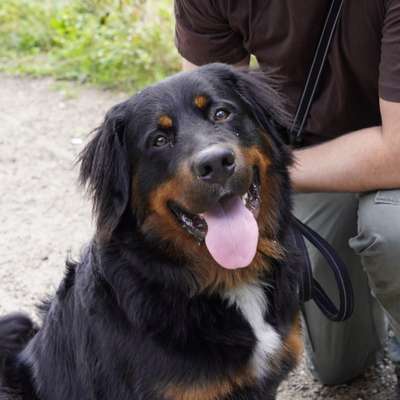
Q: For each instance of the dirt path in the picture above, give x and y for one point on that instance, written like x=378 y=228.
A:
x=43 y=214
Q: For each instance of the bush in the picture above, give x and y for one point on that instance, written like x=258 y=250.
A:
x=117 y=44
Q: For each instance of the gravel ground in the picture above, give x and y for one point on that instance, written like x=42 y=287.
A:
x=44 y=216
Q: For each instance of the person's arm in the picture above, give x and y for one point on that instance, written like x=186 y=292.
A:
x=368 y=159
x=188 y=66
x=364 y=160
x=204 y=35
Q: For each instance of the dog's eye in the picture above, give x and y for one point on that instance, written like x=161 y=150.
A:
x=160 y=141
x=221 y=115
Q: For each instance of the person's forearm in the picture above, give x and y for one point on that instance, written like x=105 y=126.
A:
x=358 y=161
x=188 y=66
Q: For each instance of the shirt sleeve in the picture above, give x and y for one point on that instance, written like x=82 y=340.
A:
x=203 y=34
x=389 y=69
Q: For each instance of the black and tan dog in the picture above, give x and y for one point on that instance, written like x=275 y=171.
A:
x=187 y=291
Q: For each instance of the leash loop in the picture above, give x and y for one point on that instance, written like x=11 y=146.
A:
x=310 y=287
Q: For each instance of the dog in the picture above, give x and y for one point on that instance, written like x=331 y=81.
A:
x=188 y=289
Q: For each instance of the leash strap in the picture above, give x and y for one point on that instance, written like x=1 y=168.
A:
x=315 y=72
x=310 y=287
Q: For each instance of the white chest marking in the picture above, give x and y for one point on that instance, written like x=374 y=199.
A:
x=251 y=301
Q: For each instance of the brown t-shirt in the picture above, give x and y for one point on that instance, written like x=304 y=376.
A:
x=363 y=62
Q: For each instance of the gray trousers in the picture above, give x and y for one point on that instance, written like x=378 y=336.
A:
x=365 y=230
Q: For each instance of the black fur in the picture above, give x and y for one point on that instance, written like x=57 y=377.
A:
x=104 y=166
x=15 y=332
x=129 y=318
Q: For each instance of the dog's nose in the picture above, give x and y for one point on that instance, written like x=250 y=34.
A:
x=215 y=164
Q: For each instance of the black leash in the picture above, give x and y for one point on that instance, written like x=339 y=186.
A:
x=309 y=287
x=315 y=72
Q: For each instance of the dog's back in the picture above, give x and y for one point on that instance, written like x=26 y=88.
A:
x=16 y=330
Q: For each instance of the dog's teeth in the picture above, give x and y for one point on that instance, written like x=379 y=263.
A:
x=186 y=220
x=245 y=198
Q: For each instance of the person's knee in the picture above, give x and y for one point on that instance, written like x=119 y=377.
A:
x=335 y=353
x=377 y=242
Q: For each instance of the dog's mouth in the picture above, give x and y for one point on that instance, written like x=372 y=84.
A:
x=229 y=228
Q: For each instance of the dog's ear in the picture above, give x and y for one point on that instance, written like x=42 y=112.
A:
x=105 y=170
x=259 y=94
x=262 y=98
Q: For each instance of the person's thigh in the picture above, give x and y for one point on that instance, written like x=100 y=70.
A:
x=378 y=244
x=339 y=351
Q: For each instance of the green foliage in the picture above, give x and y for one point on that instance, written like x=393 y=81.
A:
x=124 y=44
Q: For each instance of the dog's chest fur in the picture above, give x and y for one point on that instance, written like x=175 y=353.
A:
x=251 y=301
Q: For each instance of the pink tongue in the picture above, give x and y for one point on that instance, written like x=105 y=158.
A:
x=232 y=234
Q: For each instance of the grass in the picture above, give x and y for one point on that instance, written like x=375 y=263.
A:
x=118 y=44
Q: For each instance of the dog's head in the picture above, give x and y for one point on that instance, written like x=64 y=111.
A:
x=194 y=164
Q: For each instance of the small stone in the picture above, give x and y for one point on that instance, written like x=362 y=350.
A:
x=76 y=140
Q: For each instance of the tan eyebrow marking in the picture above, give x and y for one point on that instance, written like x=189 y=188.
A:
x=200 y=101
x=165 y=121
